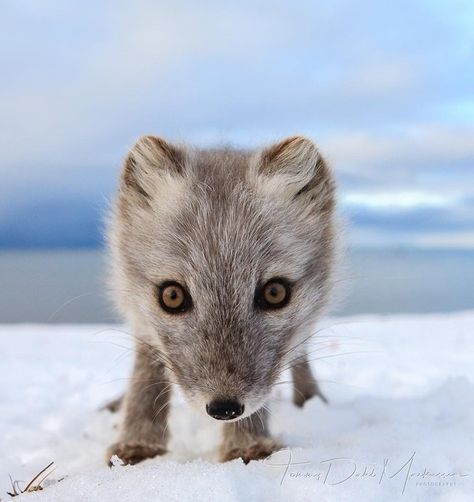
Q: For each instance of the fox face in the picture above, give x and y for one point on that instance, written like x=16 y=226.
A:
x=222 y=262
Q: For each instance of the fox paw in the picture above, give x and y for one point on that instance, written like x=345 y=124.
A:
x=301 y=396
x=260 y=449
x=114 y=405
x=131 y=453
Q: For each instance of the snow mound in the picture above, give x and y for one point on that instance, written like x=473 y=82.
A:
x=399 y=422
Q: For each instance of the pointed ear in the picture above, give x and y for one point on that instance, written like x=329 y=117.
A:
x=294 y=169
x=150 y=162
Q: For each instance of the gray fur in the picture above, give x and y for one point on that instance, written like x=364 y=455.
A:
x=220 y=222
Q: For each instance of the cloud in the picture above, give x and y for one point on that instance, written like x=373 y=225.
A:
x=398 y=200
x=403 y=149
x=410 y=219
x=86 y=83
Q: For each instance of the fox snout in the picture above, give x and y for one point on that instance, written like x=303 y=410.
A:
x=225 y=409
x=222 y=396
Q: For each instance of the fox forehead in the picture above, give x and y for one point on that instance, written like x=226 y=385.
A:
x=218 y=225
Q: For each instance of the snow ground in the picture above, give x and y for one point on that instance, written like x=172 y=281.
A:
x=400 y=424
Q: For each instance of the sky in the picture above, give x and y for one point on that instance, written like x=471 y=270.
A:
x=386 y=89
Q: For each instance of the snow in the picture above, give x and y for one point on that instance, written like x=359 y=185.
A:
x=399 y=425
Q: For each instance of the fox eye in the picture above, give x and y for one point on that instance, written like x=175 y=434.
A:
x=173 y=298
x=274 y=294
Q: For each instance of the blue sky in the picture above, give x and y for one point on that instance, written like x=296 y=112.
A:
x=385 y=88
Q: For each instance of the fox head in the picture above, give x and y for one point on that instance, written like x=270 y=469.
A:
x=222 y=261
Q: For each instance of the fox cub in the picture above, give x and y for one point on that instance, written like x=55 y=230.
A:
x=222 y=263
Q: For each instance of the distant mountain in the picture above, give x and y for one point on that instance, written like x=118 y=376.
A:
x=54 y=223
x=62 y=207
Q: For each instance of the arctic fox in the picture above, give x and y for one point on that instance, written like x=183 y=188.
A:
x=222 y=263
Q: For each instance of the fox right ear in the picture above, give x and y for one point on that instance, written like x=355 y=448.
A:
x=294 y=170
x=151 y=161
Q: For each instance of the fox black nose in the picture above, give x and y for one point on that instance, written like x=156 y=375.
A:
x=224 y=410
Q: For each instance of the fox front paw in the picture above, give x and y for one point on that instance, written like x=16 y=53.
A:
x=258 y=450
x=131 y=453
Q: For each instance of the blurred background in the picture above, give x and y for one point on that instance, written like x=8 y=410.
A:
x=385 y=88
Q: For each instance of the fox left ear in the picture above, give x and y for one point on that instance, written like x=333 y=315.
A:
x=294 y=169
